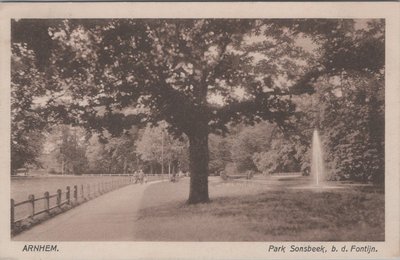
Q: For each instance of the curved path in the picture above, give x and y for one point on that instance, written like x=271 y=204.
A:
x=110 y=217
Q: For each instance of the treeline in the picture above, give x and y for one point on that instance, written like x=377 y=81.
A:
x=347 y=111
x=76 y=151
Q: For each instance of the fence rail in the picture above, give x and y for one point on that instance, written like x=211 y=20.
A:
x=70 y=196
x=128 y=174
x=286 y=173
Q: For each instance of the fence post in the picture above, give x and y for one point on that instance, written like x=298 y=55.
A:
x=58 y=197
x=12 y=211
x=75 y=192
x=32 y=201
x=88 y=190
x=47 y=202
x=82 y=195
x=68 y=195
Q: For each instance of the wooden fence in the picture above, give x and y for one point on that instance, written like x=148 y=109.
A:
x=78 y=194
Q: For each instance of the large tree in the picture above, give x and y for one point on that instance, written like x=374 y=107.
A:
x=196 y=74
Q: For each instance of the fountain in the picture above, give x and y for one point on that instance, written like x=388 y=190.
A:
x=317 y=163
x=318 y=172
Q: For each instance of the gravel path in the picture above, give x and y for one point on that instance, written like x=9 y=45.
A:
x=110 y=217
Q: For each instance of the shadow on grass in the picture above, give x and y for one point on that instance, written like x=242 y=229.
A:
x=245 y=212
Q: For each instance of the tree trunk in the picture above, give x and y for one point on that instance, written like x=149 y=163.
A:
x=198 y=156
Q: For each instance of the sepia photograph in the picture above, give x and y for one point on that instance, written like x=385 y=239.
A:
x=199 y=129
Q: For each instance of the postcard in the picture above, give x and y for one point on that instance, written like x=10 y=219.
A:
x=230 y=130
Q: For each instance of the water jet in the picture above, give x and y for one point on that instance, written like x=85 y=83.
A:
x=317 y=163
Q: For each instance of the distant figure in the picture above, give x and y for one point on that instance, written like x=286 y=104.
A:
x=174 y=177
x=136 y=176
x=249 y=174
x=141 y=176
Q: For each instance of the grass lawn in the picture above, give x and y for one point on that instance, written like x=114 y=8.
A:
x=254 y=212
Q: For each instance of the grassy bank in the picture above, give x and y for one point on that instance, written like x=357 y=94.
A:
x=254 y=212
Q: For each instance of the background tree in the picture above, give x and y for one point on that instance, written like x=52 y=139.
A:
x=348 y=106
x=220 y=153
x=98 y=159
x=354 y=135
x=70 y=149
x=249 y=141
x=280 y=156
x=27 y=87
x=113 y=155
x=156 y=146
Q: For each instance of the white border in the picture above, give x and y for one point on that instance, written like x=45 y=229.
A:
x=205 y=250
